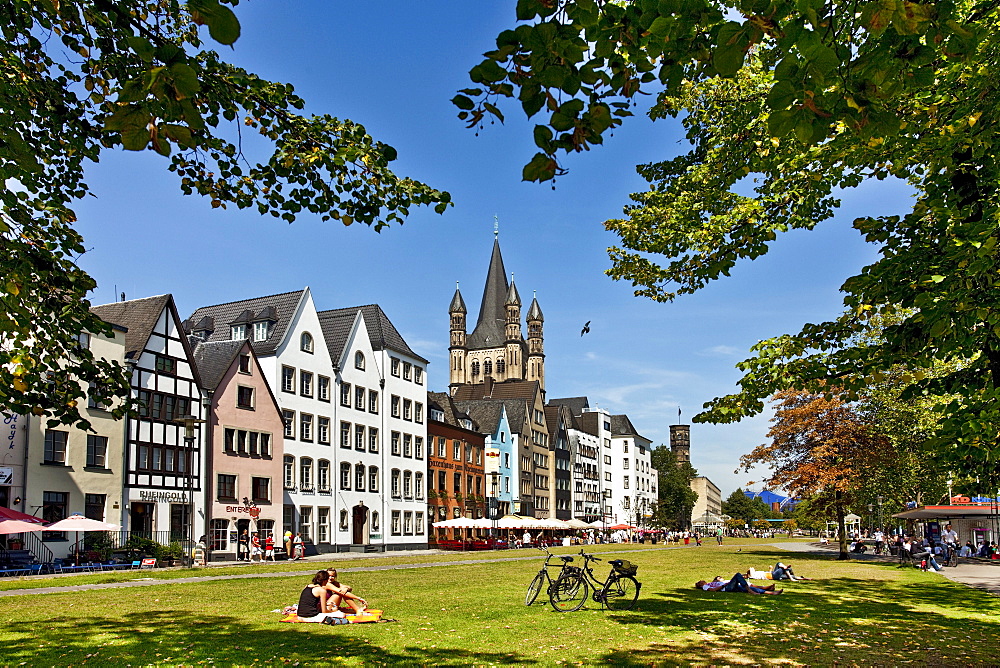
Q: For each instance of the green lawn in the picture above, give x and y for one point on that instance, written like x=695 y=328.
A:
x=856 y=613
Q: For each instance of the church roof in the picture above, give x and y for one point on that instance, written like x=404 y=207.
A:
x=489 y=331
x=508 y=389
x=513 y=299
x=457 y=303
x=535 y=312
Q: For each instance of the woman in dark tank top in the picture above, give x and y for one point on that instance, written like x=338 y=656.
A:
x=312 y=600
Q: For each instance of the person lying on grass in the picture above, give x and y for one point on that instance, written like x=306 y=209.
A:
x=779 y=572
x=737 y=583
x=338 y=594
x=313 y=603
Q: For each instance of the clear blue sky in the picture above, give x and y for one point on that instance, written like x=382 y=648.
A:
x=393 y=66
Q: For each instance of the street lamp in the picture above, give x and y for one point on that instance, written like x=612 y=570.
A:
x=189 y=422
x=879 y=499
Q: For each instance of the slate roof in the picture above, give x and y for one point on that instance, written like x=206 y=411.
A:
x=382 y=333
x=214 y=359
x=452 y=413
x=622 y=426
x=552 y=420
x=486 y=413
x=574 y=404
x=139 y=316
x=508 y=389
x=457 y=303
x=535 y=312
x=277 y=309
x=489 y=331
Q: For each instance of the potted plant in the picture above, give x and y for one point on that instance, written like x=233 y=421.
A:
x=173 y=553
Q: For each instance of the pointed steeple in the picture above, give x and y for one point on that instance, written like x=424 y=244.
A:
x=489 y=331
x=457 y=303
x=513 y=299
x=535 y=311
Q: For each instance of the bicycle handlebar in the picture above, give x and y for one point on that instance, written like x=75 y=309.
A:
x=589 y=557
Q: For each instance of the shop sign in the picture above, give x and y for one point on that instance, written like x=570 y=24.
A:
x=375 y=536
x=10 y=422
x=175 y=497
x=249 y=510
x=6 y=475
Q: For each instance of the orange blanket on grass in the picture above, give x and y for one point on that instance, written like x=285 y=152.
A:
x=368 y=616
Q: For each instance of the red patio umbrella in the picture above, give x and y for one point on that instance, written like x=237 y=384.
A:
x=622 y=527
x=19 y=526
x=11 y=514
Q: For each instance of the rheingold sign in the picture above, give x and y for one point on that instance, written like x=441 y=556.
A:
x=176 y=497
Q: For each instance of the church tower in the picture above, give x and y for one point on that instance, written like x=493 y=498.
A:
x=680 y=443
x=510 y=365
x=536 y=348
x=496 y=348
x=457 y=350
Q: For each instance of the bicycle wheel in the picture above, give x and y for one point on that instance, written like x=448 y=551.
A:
x=534 y=588
x=620 y=594
x=569 y=592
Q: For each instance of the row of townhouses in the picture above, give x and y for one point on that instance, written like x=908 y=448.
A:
x=269 y=415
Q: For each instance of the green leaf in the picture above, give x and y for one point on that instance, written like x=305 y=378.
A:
x=541 y=168
x=781 y=95
x=462 y=102
x=186 y=82
x=222 y=23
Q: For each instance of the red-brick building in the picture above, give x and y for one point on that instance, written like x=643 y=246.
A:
x=455 y=485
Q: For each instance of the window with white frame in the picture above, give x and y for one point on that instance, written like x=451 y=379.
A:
x=359 y=437
x=625 y=463
x=323 y=388
x=625 y=482
x=372 y=478
x=345 y=394
x=265 y=445
x=306 y=473
x=306 y=342
x=394 y=366
x=418 y=412
x=289 y=472
x=394 y=488
x=418 y=484
x=359 y=397
x=418 y=447
x=372 y=401
x=407 y=409
x=359 y=477
x=305 y=427
x=408 y=484
x=418 y=377
x=323 y=525
x=260 y=331
x=345 y=475
x=305 y=522
x=289 y=419
x=395 y=443
x=372 y=439
x=407 y=368
x=345 y=434
x=323 y=430
x=394 y=406
x=324 y=475
x=457 y=451
x=407 y=445
x=442 y=447
x=287 y=379
x=306 y=383
x=55 y=446
x=418 y=527
x=396 y=523
x=408 y=523
x=237 y=332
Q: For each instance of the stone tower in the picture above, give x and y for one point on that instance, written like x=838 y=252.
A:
x=457 y=350
x=680 y=443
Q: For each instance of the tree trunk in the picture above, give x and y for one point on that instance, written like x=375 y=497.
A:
x=841 y=528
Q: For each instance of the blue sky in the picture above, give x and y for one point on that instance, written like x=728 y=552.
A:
x=393 y=66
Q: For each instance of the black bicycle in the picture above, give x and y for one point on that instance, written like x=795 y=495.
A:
x=542 y=578
x=620 y=591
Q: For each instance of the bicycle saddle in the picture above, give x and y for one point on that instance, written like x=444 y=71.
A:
x=566 y=559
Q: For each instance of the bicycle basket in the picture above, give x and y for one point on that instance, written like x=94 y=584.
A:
x=625 y=567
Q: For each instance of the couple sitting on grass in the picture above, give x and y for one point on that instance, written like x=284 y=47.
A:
x=738 y=583
x=320 y=600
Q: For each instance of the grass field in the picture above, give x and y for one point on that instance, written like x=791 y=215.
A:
x=859 y=613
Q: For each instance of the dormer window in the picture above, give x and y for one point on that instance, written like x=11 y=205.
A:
x=359 y=360
x=260 y=331
x=306 y=342
x=238 y=332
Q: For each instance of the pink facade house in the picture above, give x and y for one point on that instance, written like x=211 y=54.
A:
x=245 y=447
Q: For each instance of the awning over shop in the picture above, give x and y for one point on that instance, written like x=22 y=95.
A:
x=948 y=512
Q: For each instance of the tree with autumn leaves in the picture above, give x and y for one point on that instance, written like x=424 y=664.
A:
x=819 y=447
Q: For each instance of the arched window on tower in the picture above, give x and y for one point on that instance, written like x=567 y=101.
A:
x=488 y=367
x=475 y=368
x=501 y=365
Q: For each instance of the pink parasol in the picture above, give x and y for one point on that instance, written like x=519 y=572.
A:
x=19 y=526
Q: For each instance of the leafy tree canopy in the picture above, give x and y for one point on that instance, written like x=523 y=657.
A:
x=741 y=507
x=82 y=77
x=675 y=498
x=793 y=99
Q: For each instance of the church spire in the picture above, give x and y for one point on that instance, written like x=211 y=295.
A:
x=489 y=331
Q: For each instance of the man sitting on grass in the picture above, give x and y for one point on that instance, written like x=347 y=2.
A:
x=738 y=583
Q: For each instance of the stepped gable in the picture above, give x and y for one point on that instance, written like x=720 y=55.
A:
x=139 y=316
x=213 y=359
x=277 y=309
x=489 y=331
x=382 y=334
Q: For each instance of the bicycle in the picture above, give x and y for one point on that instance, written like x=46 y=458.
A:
x=620 y=591
x=543 y=577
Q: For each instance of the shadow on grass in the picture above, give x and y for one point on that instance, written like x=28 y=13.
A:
x=835 y=620
x=171 y=637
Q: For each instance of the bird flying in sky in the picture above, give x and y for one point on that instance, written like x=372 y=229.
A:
x=586 y=328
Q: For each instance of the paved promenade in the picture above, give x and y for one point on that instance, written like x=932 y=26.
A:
x=979 y=574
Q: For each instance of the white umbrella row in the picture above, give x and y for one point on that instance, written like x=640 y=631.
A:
x=513 y=522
